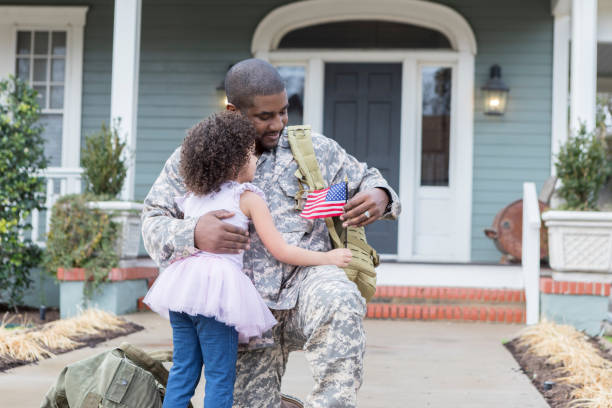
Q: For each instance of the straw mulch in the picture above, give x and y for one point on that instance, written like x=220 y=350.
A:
x=22 y=346
x=568 y=367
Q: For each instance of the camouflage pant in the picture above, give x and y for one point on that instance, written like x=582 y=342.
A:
x=327 y=323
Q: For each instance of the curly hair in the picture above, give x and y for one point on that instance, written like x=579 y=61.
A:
x=215 y=150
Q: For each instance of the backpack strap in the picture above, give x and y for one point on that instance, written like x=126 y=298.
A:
x=300 y=140
x=147 y=362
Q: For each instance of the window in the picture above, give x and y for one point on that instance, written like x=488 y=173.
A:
x=365 y=34
x=41 y=61
x=435 y=125
x=43 y=45
x=294 y=83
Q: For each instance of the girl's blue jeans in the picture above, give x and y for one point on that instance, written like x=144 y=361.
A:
x=197 y=340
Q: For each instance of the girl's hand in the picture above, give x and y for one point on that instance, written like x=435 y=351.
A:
x=339 y=257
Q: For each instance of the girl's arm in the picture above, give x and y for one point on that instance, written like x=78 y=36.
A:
x=254 y=207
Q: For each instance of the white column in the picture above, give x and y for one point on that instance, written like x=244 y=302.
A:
x=560 y=86
x=583 y=80
x=314 y=94
x=124 y=88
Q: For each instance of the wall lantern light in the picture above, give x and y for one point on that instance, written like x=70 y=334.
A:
x=495 y=93
x=221 y=95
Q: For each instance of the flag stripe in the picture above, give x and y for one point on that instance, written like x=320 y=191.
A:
x=321 y=215
x=334 y=204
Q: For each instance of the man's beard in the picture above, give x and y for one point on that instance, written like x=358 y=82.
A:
x=262 y=147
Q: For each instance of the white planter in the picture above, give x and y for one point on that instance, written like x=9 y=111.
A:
x=579 y=241
x=127 y=215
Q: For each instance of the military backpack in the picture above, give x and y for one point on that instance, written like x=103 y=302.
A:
x=361 y=269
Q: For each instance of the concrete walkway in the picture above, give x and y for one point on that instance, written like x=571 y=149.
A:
x=408 y=364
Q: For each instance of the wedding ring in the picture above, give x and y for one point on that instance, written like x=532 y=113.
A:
x=367 y=214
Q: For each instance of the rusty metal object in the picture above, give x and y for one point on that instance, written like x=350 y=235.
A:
x=507 y=231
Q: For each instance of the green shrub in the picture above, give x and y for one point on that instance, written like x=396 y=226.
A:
x=582 y=169
x=81 y=237
x=104 y=167
x=22 y=189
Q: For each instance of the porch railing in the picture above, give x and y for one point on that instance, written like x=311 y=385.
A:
x=531 y=253
x=60 y=181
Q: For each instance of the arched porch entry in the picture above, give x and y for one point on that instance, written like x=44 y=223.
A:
x=392 y=81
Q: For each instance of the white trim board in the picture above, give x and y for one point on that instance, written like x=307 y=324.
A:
x=450 y=275
x=69 y=19
x=280 y=21
x=290 y=17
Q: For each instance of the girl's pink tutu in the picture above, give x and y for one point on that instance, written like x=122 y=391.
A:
x=213 y=285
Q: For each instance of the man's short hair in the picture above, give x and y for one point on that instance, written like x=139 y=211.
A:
x=249 y=78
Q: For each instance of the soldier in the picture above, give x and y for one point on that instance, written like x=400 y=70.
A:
x=319 y=310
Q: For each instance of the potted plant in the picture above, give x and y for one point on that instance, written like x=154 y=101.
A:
x=579 y=235
x=90 y=233
x=104 y=172
x=81 y=239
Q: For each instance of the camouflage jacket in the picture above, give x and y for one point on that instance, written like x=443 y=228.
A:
x=167 y=236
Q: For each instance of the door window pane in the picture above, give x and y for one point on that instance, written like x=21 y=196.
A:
x=42 y=96
x=435 y=125
x=58 y=68
x=58 y=45
x=23 y=68
x=57 y=97
x=364 y=34
x=24 y=39
x=40 y=69
x=294 y=83
x=52 y=134
x=41 y=42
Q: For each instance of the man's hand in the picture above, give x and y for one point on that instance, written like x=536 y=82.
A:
x=374 y=201
x=213 y=235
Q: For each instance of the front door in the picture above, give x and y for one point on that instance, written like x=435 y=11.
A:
x=362 y=112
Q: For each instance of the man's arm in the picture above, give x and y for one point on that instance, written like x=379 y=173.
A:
x=367 y=187
x=168 y=236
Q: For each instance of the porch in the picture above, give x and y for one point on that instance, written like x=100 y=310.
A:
x=157 y=67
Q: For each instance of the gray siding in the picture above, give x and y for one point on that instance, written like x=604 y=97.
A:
x=509 y=150
x=187 y=46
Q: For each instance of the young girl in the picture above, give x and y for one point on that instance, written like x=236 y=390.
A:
x=212 y=305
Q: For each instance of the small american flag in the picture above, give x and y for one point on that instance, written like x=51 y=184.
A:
x=328 y=202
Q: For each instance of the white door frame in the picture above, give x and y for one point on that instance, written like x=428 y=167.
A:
x=290 y=17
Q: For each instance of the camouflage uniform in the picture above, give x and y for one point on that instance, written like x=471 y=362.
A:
x=319 y=310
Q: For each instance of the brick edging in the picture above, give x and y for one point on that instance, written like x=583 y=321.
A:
x=446 y=312
x=556 y=287
x=115 y=275
x=451 y=293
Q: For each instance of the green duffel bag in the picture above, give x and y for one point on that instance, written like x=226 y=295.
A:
x=124 y=377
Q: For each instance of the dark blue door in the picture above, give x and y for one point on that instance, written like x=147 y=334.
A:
x=362 y=112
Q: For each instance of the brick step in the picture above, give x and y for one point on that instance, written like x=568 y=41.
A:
x=499 y=314
x=446 y=295
x=141 y=305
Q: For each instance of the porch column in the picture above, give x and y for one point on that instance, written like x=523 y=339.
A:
x=124 y=88
x=560 y=90
x=583 y=72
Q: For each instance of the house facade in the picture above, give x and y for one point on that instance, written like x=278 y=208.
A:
x=396 y=82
